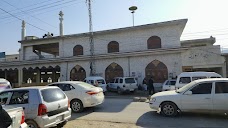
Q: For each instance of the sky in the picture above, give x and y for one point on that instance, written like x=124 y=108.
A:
x=205 y=17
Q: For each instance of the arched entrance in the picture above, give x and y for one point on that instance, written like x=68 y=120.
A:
x=113 y=70
x=157 y=70
x=77 y=73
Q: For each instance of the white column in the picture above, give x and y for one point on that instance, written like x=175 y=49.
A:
x=61 y=23
x=20 y=77
x=23 y=31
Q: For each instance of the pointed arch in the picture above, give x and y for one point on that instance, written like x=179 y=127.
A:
x=157 y=70
x=113 y=70
x=77 y=73
x=154 y=42
x=77 y=50
x=113 y=46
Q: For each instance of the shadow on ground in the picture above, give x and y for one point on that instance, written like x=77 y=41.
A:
x=110 y=105
x=186 y=120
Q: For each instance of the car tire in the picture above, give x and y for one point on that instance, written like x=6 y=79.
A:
x=31 y=124
x=76 y=106
x=169 y=109
x=119 y=91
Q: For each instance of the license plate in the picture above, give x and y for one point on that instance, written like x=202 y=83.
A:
x=59 y=118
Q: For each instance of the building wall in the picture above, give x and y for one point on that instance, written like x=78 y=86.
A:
x=129 y=41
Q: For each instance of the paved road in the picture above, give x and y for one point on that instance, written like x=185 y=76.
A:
x=139 y=113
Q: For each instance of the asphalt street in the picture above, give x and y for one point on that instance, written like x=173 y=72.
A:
x=124 y=110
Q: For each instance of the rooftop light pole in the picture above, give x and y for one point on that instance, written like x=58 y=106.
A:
x=132 y=9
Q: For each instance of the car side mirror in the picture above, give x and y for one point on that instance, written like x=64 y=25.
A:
x=188 y=93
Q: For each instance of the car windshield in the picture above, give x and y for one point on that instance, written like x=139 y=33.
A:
x=186 y=87
x=129 y=80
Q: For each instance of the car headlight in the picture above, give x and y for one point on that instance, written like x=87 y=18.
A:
x=153 y=99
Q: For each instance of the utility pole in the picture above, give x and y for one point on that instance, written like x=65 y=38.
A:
x=92 y=58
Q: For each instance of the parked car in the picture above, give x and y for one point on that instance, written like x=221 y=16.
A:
x=168 y=85
x=187 y=77
x=16 y=114
x=4 y=84
x=123 y=84
x=43 y=106
x=97 y=80
x=81 y=94
x=204 y=95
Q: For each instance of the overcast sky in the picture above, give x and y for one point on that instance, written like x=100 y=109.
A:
x=205 y=17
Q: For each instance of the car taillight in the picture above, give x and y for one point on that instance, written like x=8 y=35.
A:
x=68 y=103
x=23 y=117
x=91 y=92
x=42 y=110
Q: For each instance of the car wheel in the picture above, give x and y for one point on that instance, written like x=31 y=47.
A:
x=119 y=91
x=169 y=109
x=76 y=106
x=31 y=124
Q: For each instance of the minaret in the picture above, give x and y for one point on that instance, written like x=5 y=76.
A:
x=23 y=30
x=61 y=23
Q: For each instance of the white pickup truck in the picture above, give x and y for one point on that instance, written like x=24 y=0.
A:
x=17 y=116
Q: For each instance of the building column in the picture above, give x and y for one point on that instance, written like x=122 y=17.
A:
x=20 y=77
x=38 y=76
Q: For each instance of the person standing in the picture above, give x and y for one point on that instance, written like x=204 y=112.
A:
x=150 y=87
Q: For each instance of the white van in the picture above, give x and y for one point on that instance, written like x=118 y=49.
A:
x=4 y=84
x=100 y=80
x=187 y=77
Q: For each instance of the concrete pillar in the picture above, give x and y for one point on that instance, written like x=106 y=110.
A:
x=38 y=76
x=61 y=23
x=64 y=71
x=23 y=31
x=20 y=77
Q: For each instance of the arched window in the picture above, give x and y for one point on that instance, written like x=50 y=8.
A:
x=77 y=73
x=113 y=46
x=78 y=50
x=113 y=70
x=154 y=42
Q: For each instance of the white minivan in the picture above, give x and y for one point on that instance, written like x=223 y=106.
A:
x=187 y=77
x=100 y=81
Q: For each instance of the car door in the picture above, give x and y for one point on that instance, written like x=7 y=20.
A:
x=220 y=100
x=199 y=100
x=20 y=98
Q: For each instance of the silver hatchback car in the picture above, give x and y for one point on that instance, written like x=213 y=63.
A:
x=43 y=106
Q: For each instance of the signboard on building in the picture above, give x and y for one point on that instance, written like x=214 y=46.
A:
x=187 y=68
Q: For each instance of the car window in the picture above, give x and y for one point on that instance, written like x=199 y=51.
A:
x=101 y=81
x=203 y=88
x=20 y=97
x=66 y=87
x=215 y=77
x=121 y=80
x=184 y=80
x=129 y=80
x=52 y=94
x=116 y=80
x=198 y=77
x=221 y=87
x=172 y=83
x=4 y=96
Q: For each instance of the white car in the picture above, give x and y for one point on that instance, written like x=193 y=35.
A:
x=168 y=85
x=123 y=84
x=4 y=84
x=44 y=107
x=100 y=81
x=204 y=95
x=81 y=94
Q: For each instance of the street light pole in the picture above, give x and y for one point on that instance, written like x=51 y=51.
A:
x=132 y=9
